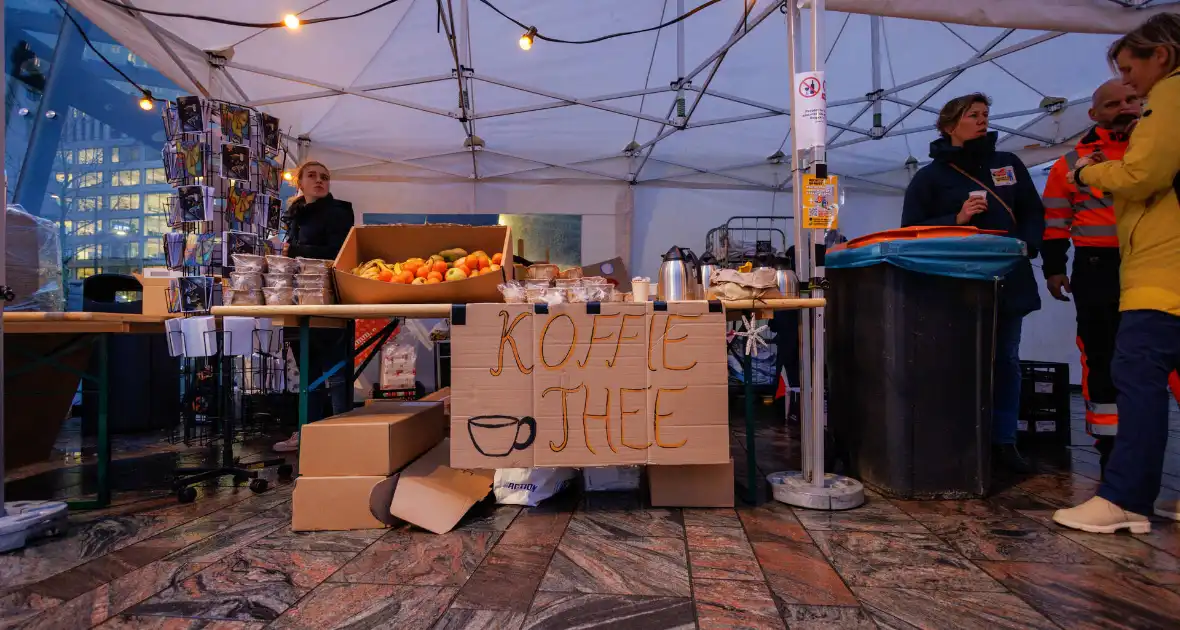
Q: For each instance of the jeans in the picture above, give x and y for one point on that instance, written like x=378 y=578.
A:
x=1147 y=351
x=327 y=350
x=1006 y=380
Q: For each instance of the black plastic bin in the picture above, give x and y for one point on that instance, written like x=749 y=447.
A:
x=143 y=378
x=910 y=370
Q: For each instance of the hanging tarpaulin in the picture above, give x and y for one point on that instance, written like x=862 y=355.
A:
x=810 y=117
x=821 y=202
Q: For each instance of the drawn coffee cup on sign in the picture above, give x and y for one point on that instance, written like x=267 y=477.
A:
x=498 y=436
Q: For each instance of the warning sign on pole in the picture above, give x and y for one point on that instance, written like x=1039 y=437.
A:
x=810 y=118
x=821 y=202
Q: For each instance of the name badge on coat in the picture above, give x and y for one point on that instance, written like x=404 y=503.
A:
x=1004 y=176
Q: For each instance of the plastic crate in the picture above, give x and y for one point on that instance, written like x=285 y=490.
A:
x=1044 y=404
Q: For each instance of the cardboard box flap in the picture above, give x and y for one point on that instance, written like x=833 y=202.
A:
x=380 y=499
x=434 y=496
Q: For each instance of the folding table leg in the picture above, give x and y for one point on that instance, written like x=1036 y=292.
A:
x=304 y=368
x=751 y=451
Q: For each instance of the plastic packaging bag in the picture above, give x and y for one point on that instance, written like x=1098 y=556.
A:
x=398 y=366
x=33 y=258
x=530 y=486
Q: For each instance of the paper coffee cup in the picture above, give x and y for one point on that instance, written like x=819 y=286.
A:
x=640 y=289
x=978 y=194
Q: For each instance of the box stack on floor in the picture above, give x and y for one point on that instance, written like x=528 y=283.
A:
x=380 y=465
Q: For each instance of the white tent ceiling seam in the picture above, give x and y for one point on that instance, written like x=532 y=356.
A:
x=389 y=96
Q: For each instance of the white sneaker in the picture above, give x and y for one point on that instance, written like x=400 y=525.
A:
x=1099 y=516
x=1168 y=508
x=289 y=445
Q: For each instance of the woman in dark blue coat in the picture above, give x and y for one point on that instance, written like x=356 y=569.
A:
x=965 y=161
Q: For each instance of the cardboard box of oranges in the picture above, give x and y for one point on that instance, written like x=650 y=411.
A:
x=423 y=264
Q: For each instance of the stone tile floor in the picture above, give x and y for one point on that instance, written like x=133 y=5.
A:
x=230 y=561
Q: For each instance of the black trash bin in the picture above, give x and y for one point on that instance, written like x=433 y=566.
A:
x=910 y=358
x=142 y=377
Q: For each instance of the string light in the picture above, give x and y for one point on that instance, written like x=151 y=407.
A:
x=531 y=35
x=147 y=101
x=526 y=40
x=288 y=176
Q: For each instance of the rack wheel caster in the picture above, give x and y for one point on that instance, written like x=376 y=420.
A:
x=187 y=494
x=286 y=471
x=258 y=485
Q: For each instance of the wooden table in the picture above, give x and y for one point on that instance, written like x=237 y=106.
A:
x=80 y=331
x=304 y=315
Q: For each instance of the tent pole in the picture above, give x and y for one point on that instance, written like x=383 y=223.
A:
x=875 y=31
x=803 y=247
x=810 y=487
x=680 y=65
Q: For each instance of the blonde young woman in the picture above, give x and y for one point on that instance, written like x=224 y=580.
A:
x=317 y=225
x=1144 y=184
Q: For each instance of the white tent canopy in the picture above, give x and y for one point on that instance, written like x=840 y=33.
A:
x=592 y=129
x=379 y=97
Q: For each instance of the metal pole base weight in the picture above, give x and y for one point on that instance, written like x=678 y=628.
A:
x=837 y=493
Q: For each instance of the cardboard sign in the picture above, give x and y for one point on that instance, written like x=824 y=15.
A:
x=582 y=385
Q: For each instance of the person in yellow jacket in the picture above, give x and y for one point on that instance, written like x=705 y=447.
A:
x=1147 y=349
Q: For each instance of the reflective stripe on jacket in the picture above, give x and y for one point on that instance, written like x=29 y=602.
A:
x=1086 y=215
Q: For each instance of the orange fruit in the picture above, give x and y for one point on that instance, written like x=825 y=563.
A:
x=405 y=277
x=437 y=275
x=385 y=276
x=433 y=280
x=440 y=266
x=494 y=267
x=422 y=272
x=497 y=258
x=484 y=262
x=464 y=268
x=411 y=267
x=486 y=270
x=472 y=261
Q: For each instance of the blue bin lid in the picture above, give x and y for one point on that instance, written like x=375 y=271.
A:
x=980 y=257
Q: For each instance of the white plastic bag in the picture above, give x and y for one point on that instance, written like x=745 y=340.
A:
x=530 y=486
x=398 y=365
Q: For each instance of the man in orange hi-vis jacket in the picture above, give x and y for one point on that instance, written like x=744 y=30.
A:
x=1087 y=217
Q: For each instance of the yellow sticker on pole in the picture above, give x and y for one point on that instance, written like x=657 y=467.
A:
x=821 y=202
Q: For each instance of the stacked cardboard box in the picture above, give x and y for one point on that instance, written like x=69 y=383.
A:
x=349 y=471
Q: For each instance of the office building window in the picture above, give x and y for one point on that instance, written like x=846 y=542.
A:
x=155 y=225
x=123 y=227
x=155 y=176
x=88 y=180
x=86 y=272
x=89 y=156
x=123 y=202
x=123 y=155
x=88 y=252
x=87 y=204
x=156 y=203
x=153 y=248
x=125 y=178
x=87 y=228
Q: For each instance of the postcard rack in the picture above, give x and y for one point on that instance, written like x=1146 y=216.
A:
x=225 y=163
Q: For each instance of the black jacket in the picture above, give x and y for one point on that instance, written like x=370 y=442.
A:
x=318 y=229
x=938 y=191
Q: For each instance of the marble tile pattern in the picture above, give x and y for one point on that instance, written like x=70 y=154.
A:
x=230 y=561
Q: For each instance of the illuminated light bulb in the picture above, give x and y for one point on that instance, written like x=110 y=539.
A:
x=526 y=40
x=288 y=176
x=291 y=21
x=146 y=103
